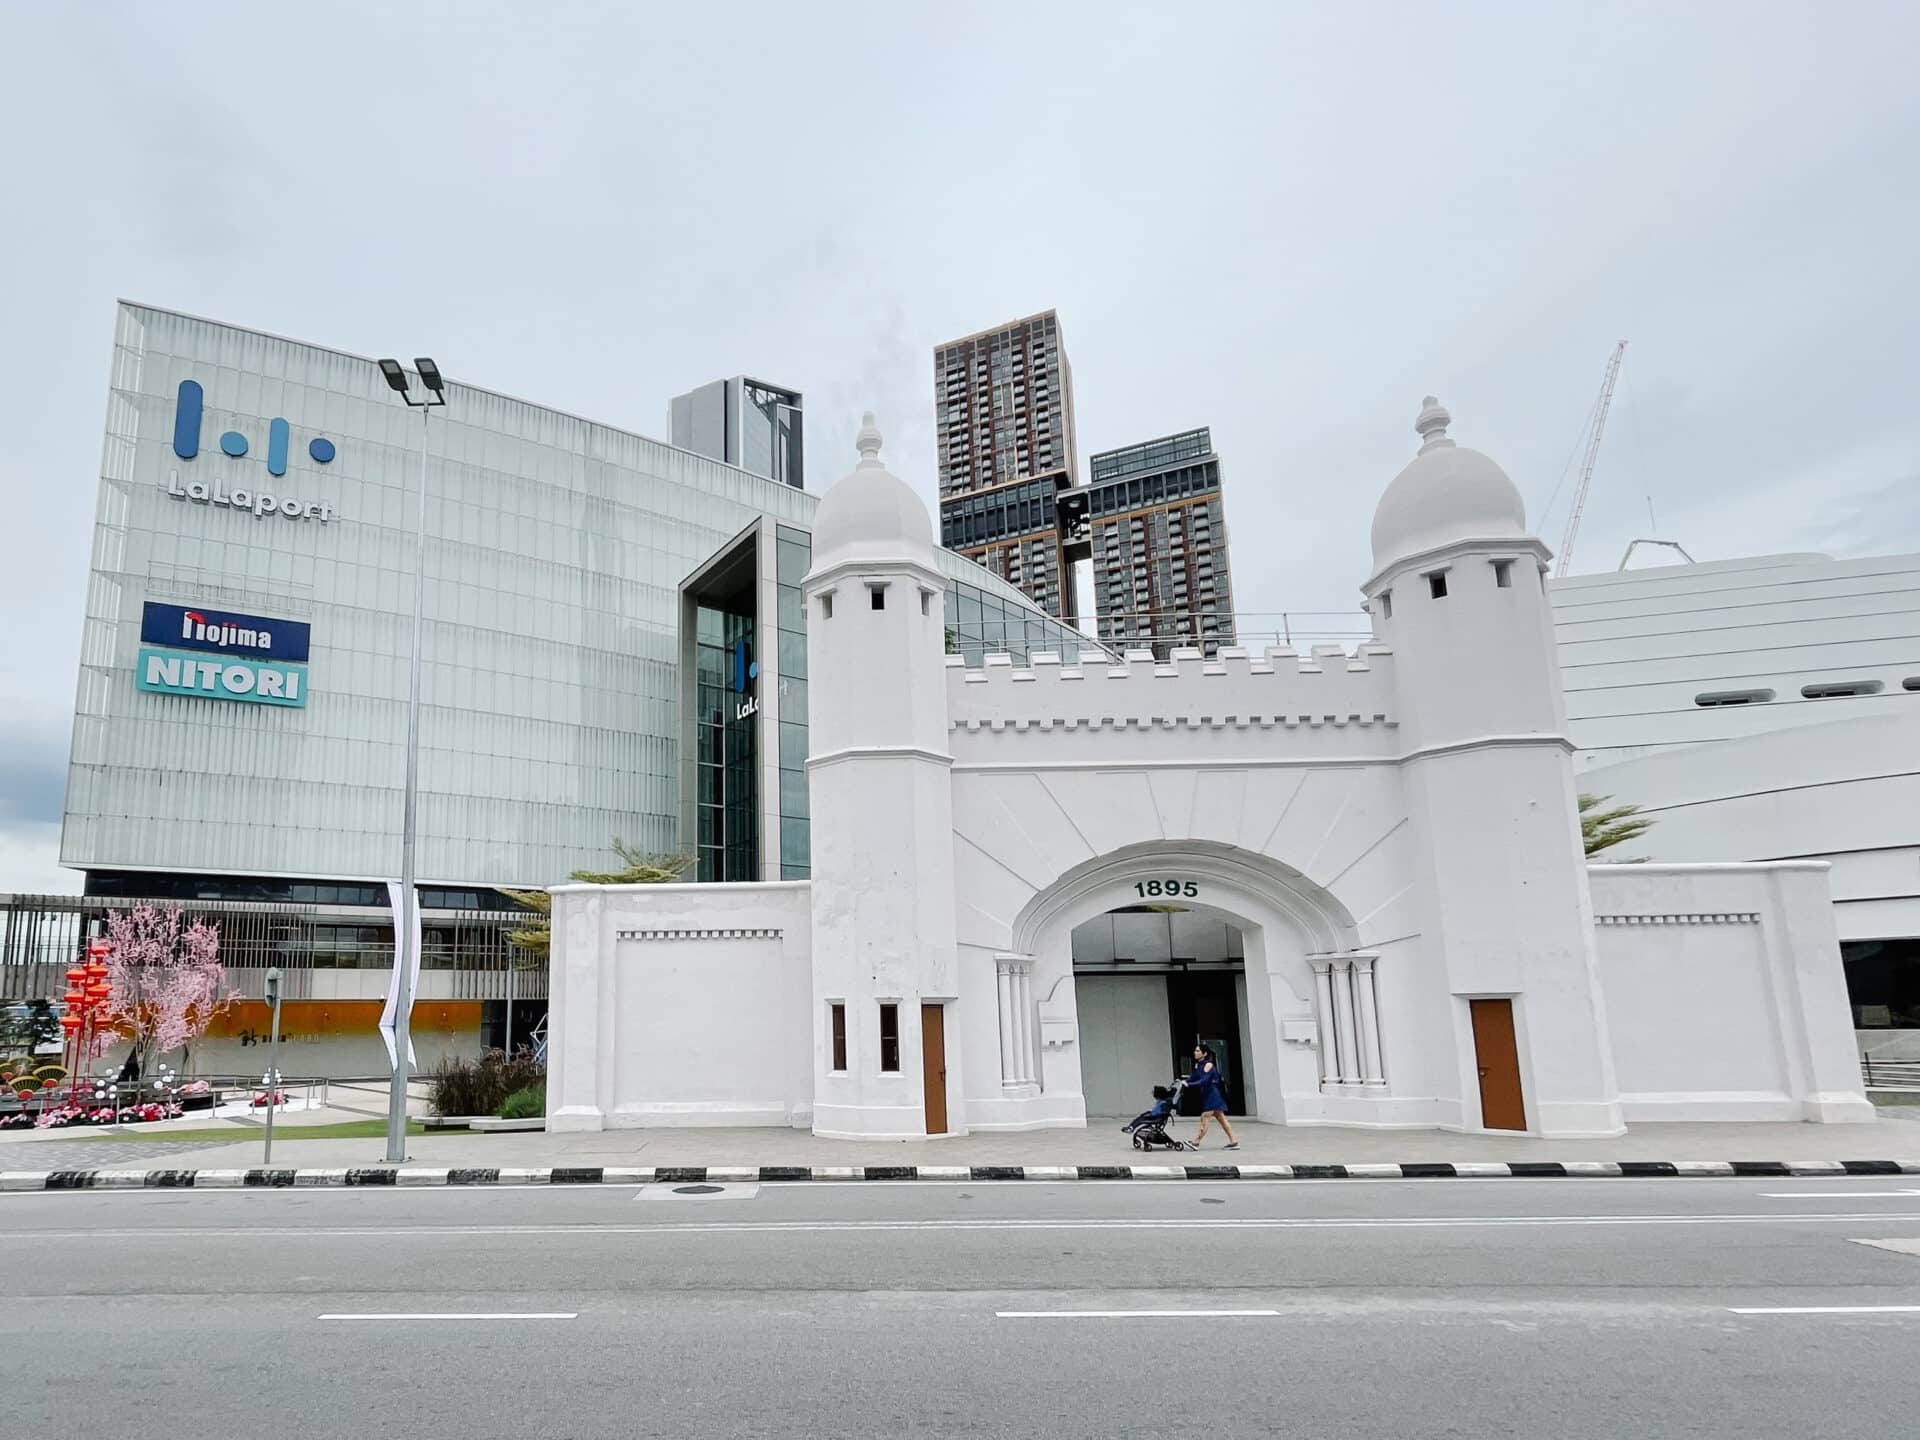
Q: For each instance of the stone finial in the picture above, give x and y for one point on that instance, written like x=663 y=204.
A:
x=1432 y=424
x=868 y=443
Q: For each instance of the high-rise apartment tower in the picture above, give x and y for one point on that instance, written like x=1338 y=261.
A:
x=1003 y=409
x=1151 y=523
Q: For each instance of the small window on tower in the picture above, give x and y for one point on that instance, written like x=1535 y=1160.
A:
x=879 y=598
x=1503 y=574
x=1386 y=604
x=926 y=602
x=1437 y=584
x=837 y=1017
x=826 y=607
x=889 y=1037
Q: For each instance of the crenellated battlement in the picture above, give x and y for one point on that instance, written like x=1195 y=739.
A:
x=1236 y=690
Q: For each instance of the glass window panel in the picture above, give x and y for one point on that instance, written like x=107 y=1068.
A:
x=793 y=654
x=793 y=746
x=793 y=793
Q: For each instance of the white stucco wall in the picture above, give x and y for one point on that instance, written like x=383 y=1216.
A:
x=1724 y=992
x=680 y=1005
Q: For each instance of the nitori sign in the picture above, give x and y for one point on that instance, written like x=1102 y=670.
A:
x=159 y=672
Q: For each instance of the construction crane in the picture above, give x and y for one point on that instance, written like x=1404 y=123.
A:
x=1593 y=455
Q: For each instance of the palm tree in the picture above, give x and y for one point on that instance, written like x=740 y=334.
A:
x=1604 y=829
x=535 y=937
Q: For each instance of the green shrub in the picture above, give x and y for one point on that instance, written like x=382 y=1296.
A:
x=527 y=1104
x=479 y=1087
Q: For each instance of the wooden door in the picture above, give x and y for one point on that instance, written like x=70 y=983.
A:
x=1498 y=1056
x=933 y=1065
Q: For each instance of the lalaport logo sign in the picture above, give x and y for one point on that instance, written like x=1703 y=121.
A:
x=250 y=653
x=187 y=412
x=746 y=670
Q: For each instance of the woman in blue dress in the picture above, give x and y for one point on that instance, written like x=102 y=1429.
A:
x=1206 y=1082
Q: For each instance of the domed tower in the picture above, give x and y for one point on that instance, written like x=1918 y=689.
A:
x=884 y=966
x=1459 y=595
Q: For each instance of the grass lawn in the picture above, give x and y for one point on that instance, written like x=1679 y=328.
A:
x=1895 y=1097
x=344 y=1130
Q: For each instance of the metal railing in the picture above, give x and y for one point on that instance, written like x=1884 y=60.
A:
x=41 y=935
x=1890 y=1074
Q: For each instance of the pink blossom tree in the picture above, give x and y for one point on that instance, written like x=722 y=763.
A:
x=166 y=981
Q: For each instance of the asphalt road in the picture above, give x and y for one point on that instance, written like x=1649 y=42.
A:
x=1403 y=1308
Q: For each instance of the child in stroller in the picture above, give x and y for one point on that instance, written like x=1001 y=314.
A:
x=1149 y=1127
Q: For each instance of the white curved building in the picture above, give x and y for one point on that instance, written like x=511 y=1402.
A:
x=1767 y=709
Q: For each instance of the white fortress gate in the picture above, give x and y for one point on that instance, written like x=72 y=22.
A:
x=1394 y=834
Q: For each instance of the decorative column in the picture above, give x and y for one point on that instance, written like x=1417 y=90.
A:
x=1371 y=1072
x=1014 y=984
x=1003 y=983
x=1343 y=1019
x=1323 y=1013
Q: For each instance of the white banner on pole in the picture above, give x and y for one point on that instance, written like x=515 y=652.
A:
x=409 y=953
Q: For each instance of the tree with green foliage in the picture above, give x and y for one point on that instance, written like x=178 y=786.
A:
x=534 y=939
x=1603 y=829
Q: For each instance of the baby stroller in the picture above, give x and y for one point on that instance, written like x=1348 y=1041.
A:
x=1149 y=1127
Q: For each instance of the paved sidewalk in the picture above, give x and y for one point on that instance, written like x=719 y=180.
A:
x=1892 y=1137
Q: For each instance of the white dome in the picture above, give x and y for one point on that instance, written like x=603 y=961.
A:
x=1448 y=494
x=872 y=514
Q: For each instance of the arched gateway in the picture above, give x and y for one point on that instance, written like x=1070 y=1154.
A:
x=1390 y=836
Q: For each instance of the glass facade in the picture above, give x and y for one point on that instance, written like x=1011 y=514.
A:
x=726 y=814
x=551 y=671
x=983 y=622
x=794 y=554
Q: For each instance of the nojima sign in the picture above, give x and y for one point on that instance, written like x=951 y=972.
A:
x=184 y=627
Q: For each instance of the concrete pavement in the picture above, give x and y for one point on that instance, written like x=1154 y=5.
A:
x=1450 y=1307
x=1893 y=1136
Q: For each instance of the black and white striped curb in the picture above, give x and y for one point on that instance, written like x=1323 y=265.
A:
x=785 y=1174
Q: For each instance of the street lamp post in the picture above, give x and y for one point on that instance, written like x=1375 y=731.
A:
x=406 y=923
x=273 y=1057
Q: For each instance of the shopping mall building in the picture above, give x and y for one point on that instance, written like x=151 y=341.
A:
x=613 y=646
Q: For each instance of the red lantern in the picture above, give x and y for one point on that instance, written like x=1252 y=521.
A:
x=71 y=1022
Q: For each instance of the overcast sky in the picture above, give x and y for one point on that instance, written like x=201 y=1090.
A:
x=1288 y=222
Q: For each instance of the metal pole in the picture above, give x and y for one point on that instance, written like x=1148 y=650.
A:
x=509 y=1044
x=406 y=919
x=273 y=1060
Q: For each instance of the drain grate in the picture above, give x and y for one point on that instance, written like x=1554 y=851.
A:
x=696 y=1189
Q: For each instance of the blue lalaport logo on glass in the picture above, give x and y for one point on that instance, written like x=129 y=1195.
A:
x=251 y=655
x=745 y=672
x=187 y=413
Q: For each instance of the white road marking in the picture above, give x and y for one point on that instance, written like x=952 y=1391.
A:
x=1898 y=1247
x=859 y=1227
x=1836 y=1194
x=464 y=1315
x=1826 y=1310
x=1131 y=1314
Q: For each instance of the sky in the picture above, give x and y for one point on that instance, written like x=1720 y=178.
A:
x=1286 y=221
